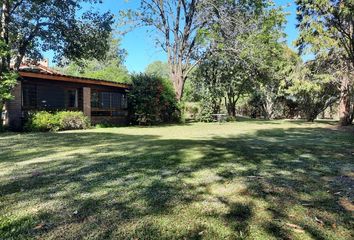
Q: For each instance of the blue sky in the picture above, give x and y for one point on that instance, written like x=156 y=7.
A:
x=140 y=44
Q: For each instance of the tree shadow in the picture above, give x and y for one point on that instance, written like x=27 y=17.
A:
x=102 y=183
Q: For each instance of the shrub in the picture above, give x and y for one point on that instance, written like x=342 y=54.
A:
x=207 y=108
x=72 y=120
x=65 y=120
x=152 y=101
x=41 y=121
x=191 y=110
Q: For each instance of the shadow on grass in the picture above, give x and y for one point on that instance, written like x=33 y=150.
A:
x=107 y=185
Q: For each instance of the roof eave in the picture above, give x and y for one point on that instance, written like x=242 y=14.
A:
x=67 y=78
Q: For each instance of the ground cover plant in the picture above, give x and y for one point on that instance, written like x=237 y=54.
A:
x=242 y=180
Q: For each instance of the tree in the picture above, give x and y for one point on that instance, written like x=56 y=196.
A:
x=109 y=68
x=7 y=80
x=328 y=27
x=313 y=89
x=30 y=27
x=279 y=62
x=152 y=100
x=159 y=69
x=221 y=78
x=177 y=23
x=244 y=44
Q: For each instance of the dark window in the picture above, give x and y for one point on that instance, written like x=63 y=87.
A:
x=124 y=101
x=50 y=97
x=29 y=96
x=116 y=100
x=72 y=98
x=101 y=113
x=95 y=100
x=118 y=114
x=108 y=100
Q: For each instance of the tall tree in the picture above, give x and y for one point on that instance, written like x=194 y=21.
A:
x=313 y=88
x=177 y=23
x=244 y=43
x=327 y=26
x=31 y=27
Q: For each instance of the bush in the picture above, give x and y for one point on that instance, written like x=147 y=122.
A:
x=152 y=101
x=66 y=120
x=41 y=122
x=207 y=109
x=72 y=120
x=191 y=110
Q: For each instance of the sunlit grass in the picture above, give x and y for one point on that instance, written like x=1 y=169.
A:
x=243 y=180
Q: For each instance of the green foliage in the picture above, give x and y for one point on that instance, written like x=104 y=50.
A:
x=190 y=94
x=208 y=106
x=200 y=181
x=244 y=61
x=158 y=69
x=326 y=26
x=326 y=29
x=7 y=81
x=191 y=110
x=65 y=120
x=29 y=28
x=69 y=120
x=110 y=68
x=42 y=121
x=152 y=100
x=99 y=70
x=267 y=97
x=313 y=91
x=61 y=26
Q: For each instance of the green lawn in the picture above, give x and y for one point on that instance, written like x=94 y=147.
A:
x=243 y=180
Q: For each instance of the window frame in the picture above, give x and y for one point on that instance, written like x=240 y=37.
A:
x=97 y=109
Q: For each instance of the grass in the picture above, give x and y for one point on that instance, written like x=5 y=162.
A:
x=243 y=180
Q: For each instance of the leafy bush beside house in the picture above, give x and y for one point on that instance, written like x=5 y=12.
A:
x=72 y=120
x=64 y=120
x=152 y=100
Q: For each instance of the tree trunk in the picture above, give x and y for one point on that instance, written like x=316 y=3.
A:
x=4 y=34
x=268 y=108
x=1 y=120
x=5 y=59
x=178 y=83
x=344 y=102
x=231 y=108
x=230 y=103
x=351 y=119
x=311 y=116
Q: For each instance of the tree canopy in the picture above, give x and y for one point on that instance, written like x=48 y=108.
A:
x=109 y=68
x=28 y=28
x=159 y=69
x=31 y=27
x=327 y=29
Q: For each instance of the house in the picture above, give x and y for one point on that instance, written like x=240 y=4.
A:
x=41 y=88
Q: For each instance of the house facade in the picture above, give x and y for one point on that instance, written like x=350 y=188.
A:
x=41 y=89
